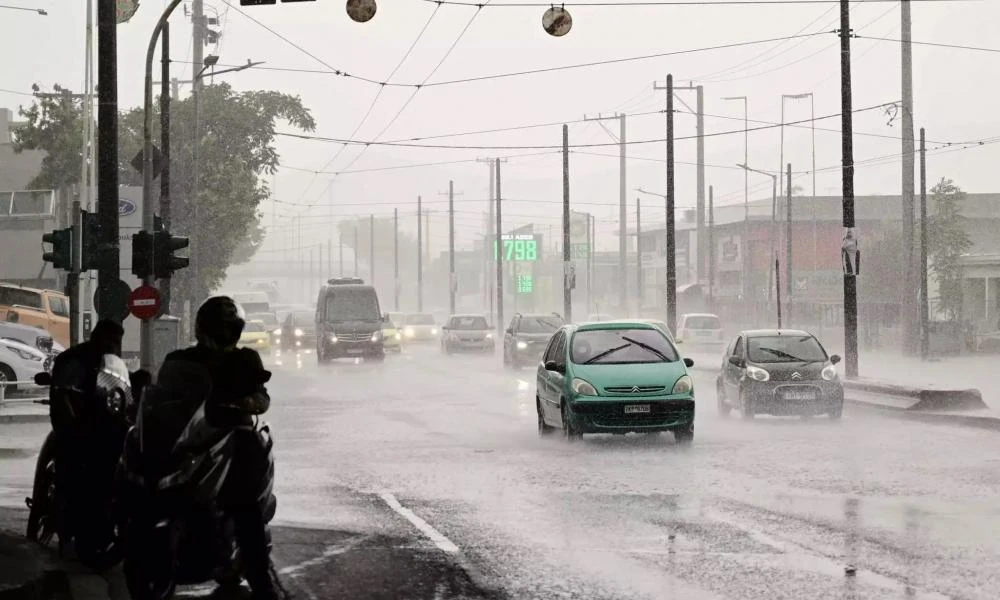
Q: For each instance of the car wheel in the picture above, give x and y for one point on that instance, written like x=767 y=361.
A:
x=544 y=429
x=720 y=396
x=684 y=435
x=569 y=432
x=7 y=375
x=746 y=408
x=836 y=413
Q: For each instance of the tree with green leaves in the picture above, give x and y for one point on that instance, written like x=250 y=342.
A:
x=947 y=241
x=236 y=151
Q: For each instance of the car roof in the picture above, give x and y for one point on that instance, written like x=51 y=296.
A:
x=467 y=315
x=700 y=315
x=774 y=332
x=617 y=324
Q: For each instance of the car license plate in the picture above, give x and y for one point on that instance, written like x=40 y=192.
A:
x=703 y=333
x=637 y=409
x=355 y=350
x=800 y=395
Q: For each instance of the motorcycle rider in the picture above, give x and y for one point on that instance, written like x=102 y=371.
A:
x=72 y=411
x=238 y=393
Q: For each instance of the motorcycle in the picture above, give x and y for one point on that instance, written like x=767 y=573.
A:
x=87 y=513
x=174 y=466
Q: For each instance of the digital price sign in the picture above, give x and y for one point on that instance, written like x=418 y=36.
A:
x=519 y=248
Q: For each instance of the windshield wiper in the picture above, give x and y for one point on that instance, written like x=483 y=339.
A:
x=784 y=354
x=601 y=355
x=648 y=348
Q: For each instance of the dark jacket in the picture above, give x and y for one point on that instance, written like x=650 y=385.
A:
x=238 y=378
x=74 y=375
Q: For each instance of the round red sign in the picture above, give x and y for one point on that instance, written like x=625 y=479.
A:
x=144 y=302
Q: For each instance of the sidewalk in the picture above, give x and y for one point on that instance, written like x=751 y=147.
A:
x=975 y=371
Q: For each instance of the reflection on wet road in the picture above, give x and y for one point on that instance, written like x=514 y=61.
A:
x=775 y=508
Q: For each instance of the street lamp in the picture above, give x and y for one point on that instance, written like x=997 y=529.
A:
x=774 y=209
x=746 y=190
x=40 y=11
x=812 y=123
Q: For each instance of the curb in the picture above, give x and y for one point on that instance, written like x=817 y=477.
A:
x=991 y=423
x=920 y=399
x=21 y=418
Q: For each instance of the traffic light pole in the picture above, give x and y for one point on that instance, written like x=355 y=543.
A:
x=146 y=341
x=107 y=140
x=73 y=279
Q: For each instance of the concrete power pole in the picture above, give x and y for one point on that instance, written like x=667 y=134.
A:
x=499 y=259
x=420 y=256
x=847 y=160
x=638 y=257
x=371 y=246
x=198 y=56
x=910 y=322
x=622 y=210
x=395 y=259
x=569 y=272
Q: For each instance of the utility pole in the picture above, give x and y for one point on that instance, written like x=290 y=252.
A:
x=198 y=56
x=357 y=248
x=451 y=246
x=910 y=322
x=924 y=301
x=395 y=259
x=777 y=286
x=165 y=151
x=420 y=257
x=788 y=233
x=329 y=259
x=371 y=246
x=569 y=271
x=700 y=151
x=73 y=277
x=340 y=254
x=590 y=262
x=847 y=159
x=622 y=210
x=499 y=257
x=107 y=166
x=671 y=262
x=711 y=248
x=638 y=256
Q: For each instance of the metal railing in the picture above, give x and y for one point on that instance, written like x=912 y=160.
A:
x=19 y=399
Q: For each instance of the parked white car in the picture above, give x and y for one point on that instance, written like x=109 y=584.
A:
x=20 y=362
x=700 y=328
x=32 y=336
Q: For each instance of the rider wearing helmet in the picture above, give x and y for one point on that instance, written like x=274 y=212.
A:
x=238 y=393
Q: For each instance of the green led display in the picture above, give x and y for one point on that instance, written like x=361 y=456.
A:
x=525 y=284
x=521 y=248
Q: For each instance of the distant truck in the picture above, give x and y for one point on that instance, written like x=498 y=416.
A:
x=44 y=309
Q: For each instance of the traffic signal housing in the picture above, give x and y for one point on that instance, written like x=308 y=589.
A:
x=164 y=246
x=61 y=255
x=92 y=257
x=142 y=253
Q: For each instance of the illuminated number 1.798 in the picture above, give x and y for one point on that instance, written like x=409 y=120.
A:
x=520 y=250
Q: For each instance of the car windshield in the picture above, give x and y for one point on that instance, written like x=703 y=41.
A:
x=420 y=320
x=268 y=319
x=253 y=327
x=303 y=319
x=703 y=322
x=547 y=324
x=621 y=346
x=784 y=348
x=352 y=304
x=474 y=323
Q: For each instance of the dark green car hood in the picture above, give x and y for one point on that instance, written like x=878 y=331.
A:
x=603 y=376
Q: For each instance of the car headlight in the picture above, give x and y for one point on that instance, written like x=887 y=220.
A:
x=434 y=331
x=333 y=338
x=583 y=387
x=829 y=373
x=489 y=336
x=522 y=345
x=408 y=332
x=25 y=355
x=298 y=332
x=277 y=332
x=757 y=373
x=116 y=402
x=399 y=336
x=683 y=385
x=376 y=335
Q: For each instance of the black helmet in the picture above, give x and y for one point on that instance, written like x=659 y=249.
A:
x=219 y=322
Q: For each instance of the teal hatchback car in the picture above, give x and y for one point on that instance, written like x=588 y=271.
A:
x=614 y=377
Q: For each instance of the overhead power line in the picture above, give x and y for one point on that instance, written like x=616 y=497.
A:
x=935 y=44
x=637 y=3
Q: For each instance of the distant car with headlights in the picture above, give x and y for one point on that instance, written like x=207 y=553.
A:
x=420 y=327
x=614 y=377
x=349 y=321
x=20 y=362
x=392 y=337
x=526 y=337
x=298 y=332
x=271 y=324
x=463 y=333
x=779 y=372
x=700 y=329
x=256 y=336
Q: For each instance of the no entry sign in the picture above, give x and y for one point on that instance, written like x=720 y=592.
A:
x=144 y=302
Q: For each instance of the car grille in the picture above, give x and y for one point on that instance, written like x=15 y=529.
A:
x=804 y=375
x=354 y=337
x=635 y=389
x=613 y=414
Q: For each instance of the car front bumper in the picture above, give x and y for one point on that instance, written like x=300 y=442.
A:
x=343 y=349
x=786 y=398
x=480 y=345
x=607 y=414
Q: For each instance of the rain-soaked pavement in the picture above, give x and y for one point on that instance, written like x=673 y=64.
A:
x=424 y=477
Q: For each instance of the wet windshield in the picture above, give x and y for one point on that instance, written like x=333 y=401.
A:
x=703 y=322
x=253 y=327
x=420 y=320
x=785 y=348
x=351 y=304
x=540 y=324
x=473 y=323
x=268 y=319
x=620 y=346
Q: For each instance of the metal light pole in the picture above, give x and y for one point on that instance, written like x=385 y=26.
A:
x=774 y=210
x=812 y=126
x=744 y=275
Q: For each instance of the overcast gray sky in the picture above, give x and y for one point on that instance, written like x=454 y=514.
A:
x=954 y=97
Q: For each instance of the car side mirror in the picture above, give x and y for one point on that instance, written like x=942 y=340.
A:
x=688 y=362
x=43 y=378
x=835 y=359
x=551 y=365
x=736 y=361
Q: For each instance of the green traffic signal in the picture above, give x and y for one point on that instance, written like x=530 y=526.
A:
x=61 y=255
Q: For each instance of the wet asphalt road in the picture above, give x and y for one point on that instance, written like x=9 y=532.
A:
x=424 y=477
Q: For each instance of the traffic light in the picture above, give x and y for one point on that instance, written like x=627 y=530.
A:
x=91 y=244
x=61 y=256
x=164 y=246
x=142 y=252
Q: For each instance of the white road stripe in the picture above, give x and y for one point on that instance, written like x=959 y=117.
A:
x=434 y=535
x=329 y=552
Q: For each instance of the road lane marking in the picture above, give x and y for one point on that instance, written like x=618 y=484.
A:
x=328 y=552
x=443 y=543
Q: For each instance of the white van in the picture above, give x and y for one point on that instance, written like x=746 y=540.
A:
x=700 y=328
